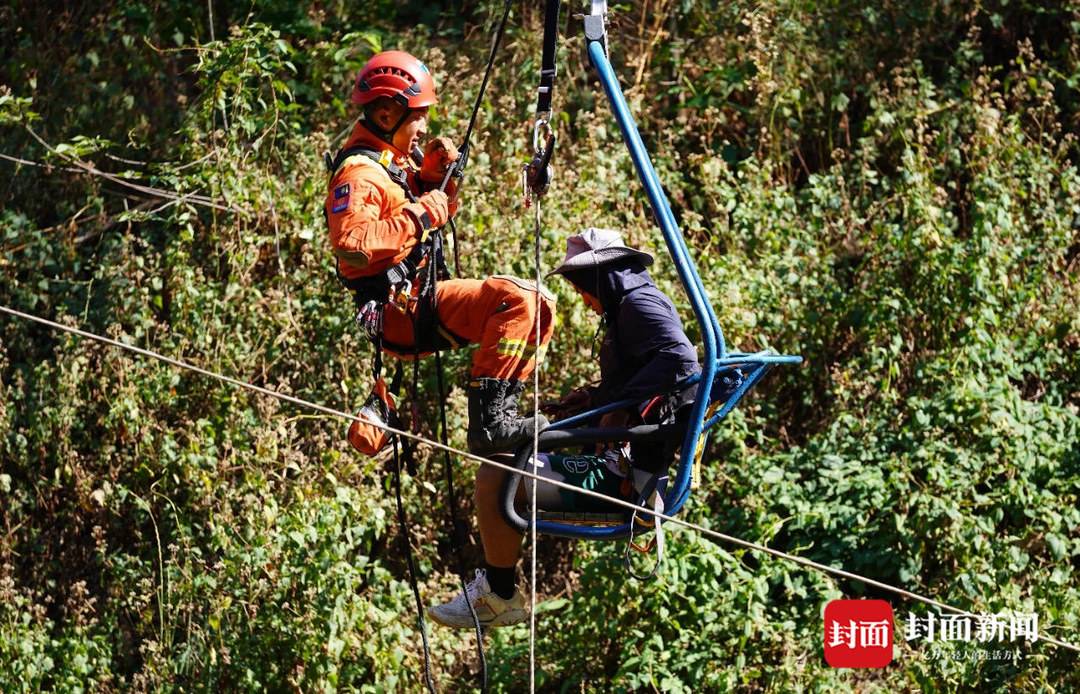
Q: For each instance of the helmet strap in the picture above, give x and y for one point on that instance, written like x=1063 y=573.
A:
x=386 y=135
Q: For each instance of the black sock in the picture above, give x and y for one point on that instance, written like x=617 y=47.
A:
x=503 y=580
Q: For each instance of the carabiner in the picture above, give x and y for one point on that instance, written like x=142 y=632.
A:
x=541 y=126
x=537 y=174
x=402 y=294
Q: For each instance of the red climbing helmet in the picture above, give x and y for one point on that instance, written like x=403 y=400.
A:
x=398 y=75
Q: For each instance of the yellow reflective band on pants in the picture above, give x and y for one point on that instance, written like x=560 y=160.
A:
x=519 y=349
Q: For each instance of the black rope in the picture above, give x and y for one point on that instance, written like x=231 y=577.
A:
x=458 y=167
x=448 y=467
x=403 y=534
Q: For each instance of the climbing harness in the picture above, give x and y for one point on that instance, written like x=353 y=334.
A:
x=395 y=284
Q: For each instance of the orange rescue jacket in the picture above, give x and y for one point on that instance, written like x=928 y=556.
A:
x=373 y=226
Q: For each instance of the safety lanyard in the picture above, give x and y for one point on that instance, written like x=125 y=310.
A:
x=536 y=175
x=547 y=62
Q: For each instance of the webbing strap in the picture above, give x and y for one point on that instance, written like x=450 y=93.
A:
x=652 y=495
x=393 y=171
x=547 y=63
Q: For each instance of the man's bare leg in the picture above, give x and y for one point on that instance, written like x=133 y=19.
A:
x=502 y=543
x=493 y=597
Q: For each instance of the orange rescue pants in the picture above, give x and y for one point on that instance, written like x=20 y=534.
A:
x=497 y=314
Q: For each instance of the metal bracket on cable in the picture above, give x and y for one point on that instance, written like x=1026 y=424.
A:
x=596 y=23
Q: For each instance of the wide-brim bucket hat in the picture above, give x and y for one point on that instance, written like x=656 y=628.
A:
x=594 y=247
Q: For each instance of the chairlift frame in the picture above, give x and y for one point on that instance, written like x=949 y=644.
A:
x=717 y=360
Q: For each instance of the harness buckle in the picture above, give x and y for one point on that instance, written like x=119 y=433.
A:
x=402 y=293
x=370 y=319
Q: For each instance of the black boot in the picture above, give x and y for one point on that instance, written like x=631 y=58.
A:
x=513 y=392
x=494 y=423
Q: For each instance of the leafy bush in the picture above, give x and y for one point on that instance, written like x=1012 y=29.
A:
x=890 y=191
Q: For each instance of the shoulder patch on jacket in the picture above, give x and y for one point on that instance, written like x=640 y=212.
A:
x=341 y=198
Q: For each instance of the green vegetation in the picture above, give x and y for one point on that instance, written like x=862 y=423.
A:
x=890 y=189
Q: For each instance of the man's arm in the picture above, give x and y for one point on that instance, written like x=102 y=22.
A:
x=649 y=331
x=363 y=229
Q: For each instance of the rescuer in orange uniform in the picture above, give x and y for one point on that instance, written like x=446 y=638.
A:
x=381 y=208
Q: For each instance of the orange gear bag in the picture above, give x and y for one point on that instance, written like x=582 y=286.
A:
x=379 y=408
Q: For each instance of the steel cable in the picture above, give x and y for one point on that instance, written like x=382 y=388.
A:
x=730 y=539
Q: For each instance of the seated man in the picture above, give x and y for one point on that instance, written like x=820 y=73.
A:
x=644 y=356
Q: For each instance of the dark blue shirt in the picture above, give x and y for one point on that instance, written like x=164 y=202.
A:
x=645 y=351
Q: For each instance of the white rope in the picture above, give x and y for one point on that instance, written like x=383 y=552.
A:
x=85 y=168
x=802 y=561
x=535 y=453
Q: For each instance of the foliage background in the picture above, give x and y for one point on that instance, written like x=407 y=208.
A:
x=890 y=189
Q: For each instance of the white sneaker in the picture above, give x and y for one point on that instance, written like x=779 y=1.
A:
x=491 y=610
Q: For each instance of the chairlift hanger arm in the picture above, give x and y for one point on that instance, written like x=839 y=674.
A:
x=684 y=265
x=716 y=358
